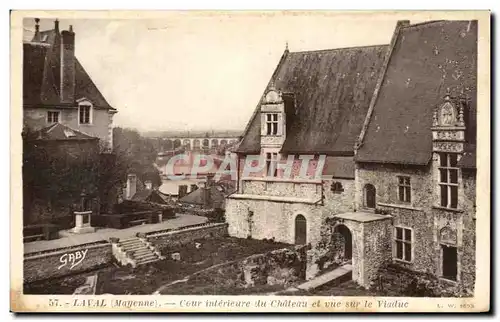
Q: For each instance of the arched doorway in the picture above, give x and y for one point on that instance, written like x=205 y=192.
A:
x=187 y=144
x=369 y=196
x=300 y=230
x=196 y=144
x=177 y=143
x=342 y=241
x=206 y=143
x=215 y=143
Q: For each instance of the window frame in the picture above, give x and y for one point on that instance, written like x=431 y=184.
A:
x=58 y=113
x=448 y=184
x=403 y=241
x=272 y=158
x=272 y=124
x=81 y=105
x=405 y=188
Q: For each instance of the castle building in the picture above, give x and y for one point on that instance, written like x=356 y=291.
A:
x=391 y=129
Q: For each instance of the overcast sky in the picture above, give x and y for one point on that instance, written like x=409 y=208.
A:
x=201 y=72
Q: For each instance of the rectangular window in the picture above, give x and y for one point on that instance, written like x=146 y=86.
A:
x=402 y=244
x=272 y=123
x=271 y=164
x=448 y=180
x=404 y=189
x=53 y=117
x=84 y=114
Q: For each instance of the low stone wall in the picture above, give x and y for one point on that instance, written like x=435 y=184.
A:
x=395 y=280
x=65 y=261
x=172 y=240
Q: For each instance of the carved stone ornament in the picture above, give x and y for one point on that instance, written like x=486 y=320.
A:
x=273 y=97
x=447 y=114
x=447 y=235
x=456 y=147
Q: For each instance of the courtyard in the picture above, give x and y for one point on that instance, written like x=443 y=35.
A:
x=195 y=256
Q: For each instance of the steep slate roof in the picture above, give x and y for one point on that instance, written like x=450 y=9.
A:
x=426 y=60
x=40 y=75
x=327 y=94
x=58 y=132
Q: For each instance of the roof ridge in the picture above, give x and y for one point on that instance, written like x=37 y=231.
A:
x=424 y=23
x=341 y=48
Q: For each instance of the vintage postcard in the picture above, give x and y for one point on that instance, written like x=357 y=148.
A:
x=304 y=161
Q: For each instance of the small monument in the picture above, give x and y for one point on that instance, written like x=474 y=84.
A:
x=83 y=217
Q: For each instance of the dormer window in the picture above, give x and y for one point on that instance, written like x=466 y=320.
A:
x=272 y=123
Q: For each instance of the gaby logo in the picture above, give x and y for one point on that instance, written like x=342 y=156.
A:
x=298 y=167
x=72 y=259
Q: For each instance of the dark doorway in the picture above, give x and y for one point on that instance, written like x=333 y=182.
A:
x=370 y=196
x=300 y=230
x=449 y=262
x=343 y=240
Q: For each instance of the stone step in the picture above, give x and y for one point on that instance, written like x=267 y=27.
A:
x=142 y=251
x=133 y=247
x=145 y=256
x=147 y=262
x=131 y=242
x=340 y=273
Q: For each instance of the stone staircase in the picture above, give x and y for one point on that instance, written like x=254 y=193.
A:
x=136 y=251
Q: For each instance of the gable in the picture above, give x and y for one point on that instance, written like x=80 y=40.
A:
x=40 y=76
x=331 y=91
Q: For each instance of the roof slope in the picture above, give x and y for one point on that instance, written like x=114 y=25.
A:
x=426 y=61
x=197 y=197
x=41 y=76
x=330 y=93
x=60 y=132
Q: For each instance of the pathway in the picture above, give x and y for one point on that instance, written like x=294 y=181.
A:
x=106 y=233
x=339 y=272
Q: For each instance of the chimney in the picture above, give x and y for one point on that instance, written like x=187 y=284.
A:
x=131 y=186
x=68 y=66
x=205 y=195
x=148 y=184
x=37 y=27
x=56 y=26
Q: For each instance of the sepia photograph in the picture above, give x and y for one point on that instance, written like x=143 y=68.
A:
x=304 y=161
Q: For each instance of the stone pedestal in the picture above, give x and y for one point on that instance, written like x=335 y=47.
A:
x=82 y=222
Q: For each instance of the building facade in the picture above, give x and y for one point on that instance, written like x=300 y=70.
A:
x=379 y=143
x=57 y=89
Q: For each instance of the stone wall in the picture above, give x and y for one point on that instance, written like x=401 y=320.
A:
x=171 y=241
x=377 y=248
x=385 y=179
x=66 y=261
x=261 y=219
x=428 y=222
x=394 y=280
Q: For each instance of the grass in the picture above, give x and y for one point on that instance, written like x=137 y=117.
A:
x=148 y=278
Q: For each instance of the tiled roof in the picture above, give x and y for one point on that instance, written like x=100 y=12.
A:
x=427 y=59
x=216 y=197
x=327 y=94
x=41 y=75
x=57 y=132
